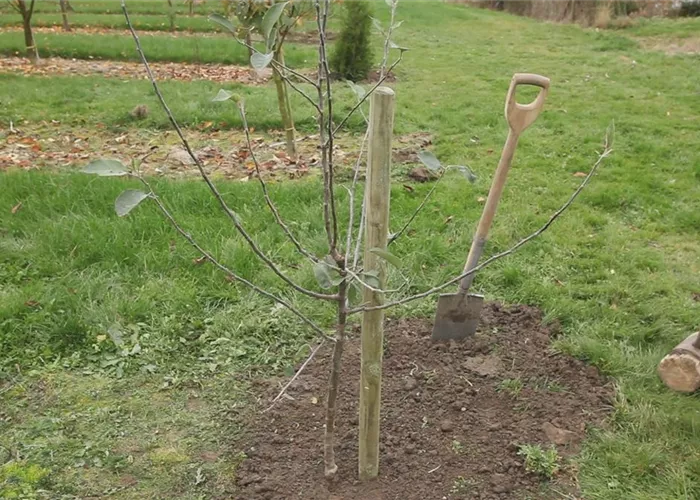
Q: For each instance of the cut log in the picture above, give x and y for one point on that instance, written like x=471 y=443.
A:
x=680 y=370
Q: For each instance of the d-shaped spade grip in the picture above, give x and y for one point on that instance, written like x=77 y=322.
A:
x=521 y=116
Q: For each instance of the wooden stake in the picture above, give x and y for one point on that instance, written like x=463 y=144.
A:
x=680 y=370
x=377 y=193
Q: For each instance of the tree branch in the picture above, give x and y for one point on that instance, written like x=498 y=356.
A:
x=351 y=192
x=498 y=256
x=322 y=134
x=263 y=185
x=323 y=66
x=387 y=39
x=396 y=236
x=369 y=93
x=225 y=269
x=277 y=64
x=207 y=180
x=296 y=375
x=15 y=7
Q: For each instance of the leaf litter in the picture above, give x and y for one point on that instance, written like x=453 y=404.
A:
x=126 y=70
x=224 y=153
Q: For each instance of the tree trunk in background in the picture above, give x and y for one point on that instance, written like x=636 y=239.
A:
x=171 y=15
x=64 y=14
x=249 y=43
x=32 y=51
x=284 y=105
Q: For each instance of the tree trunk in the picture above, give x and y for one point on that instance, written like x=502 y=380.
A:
x=32 y=51
x=171 y=15
x=329 y=465
x=249 y=43
x=64 y=14
x=284 y=106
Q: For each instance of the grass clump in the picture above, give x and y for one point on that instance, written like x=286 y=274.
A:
x=21 y=480
x=540 y=461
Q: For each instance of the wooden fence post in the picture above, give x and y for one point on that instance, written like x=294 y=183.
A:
x=377 y=194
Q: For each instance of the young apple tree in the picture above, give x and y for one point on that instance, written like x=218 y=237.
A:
x=353 y=285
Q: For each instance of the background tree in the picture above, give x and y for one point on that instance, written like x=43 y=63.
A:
x=64 y=14
x=26 y=12
x=352 y=57
x=171 y=15
x=274 y=22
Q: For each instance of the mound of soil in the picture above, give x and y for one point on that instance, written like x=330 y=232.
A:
x=453 y=416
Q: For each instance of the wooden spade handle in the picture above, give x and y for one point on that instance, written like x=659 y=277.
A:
x=519 y=117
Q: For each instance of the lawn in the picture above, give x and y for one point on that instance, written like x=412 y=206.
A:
x=159 y=417
x=163 y=47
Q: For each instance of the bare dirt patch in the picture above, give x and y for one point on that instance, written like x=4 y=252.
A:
x=672 y=46
x=450 y=427
x=135 y=70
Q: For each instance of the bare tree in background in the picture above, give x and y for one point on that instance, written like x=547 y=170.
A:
x=26 y=11
x=64 y=14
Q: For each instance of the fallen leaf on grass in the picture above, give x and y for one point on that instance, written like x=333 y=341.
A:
x=580 y=174
x=16 y=208
x=408 y=188
x=448 y=220
x=199 y=260
x=481 y=199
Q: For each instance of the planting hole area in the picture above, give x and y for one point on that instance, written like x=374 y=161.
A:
x=477 y=419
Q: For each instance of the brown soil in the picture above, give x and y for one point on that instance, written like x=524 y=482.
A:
x=450 y=426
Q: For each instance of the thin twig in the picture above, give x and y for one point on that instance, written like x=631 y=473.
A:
x=225 y=269
x=230 y=213
x=263 y=186
x=369 y=93
x=396 y=236
x=387 y=39
x=498 y=256
x=360 y=234
x=277 y=64
x=296 y=375
x=351 y=192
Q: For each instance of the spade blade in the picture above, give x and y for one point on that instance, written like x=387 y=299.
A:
x=457 y=316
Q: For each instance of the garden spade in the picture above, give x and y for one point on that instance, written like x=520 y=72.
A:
x=457 y=314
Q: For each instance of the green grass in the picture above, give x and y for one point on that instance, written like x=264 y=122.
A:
x=618 y=271
x=109 y=101
x=157 y=47
x=114 y=7
x=141 y=22
x=676 y=28
x=115 y=21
